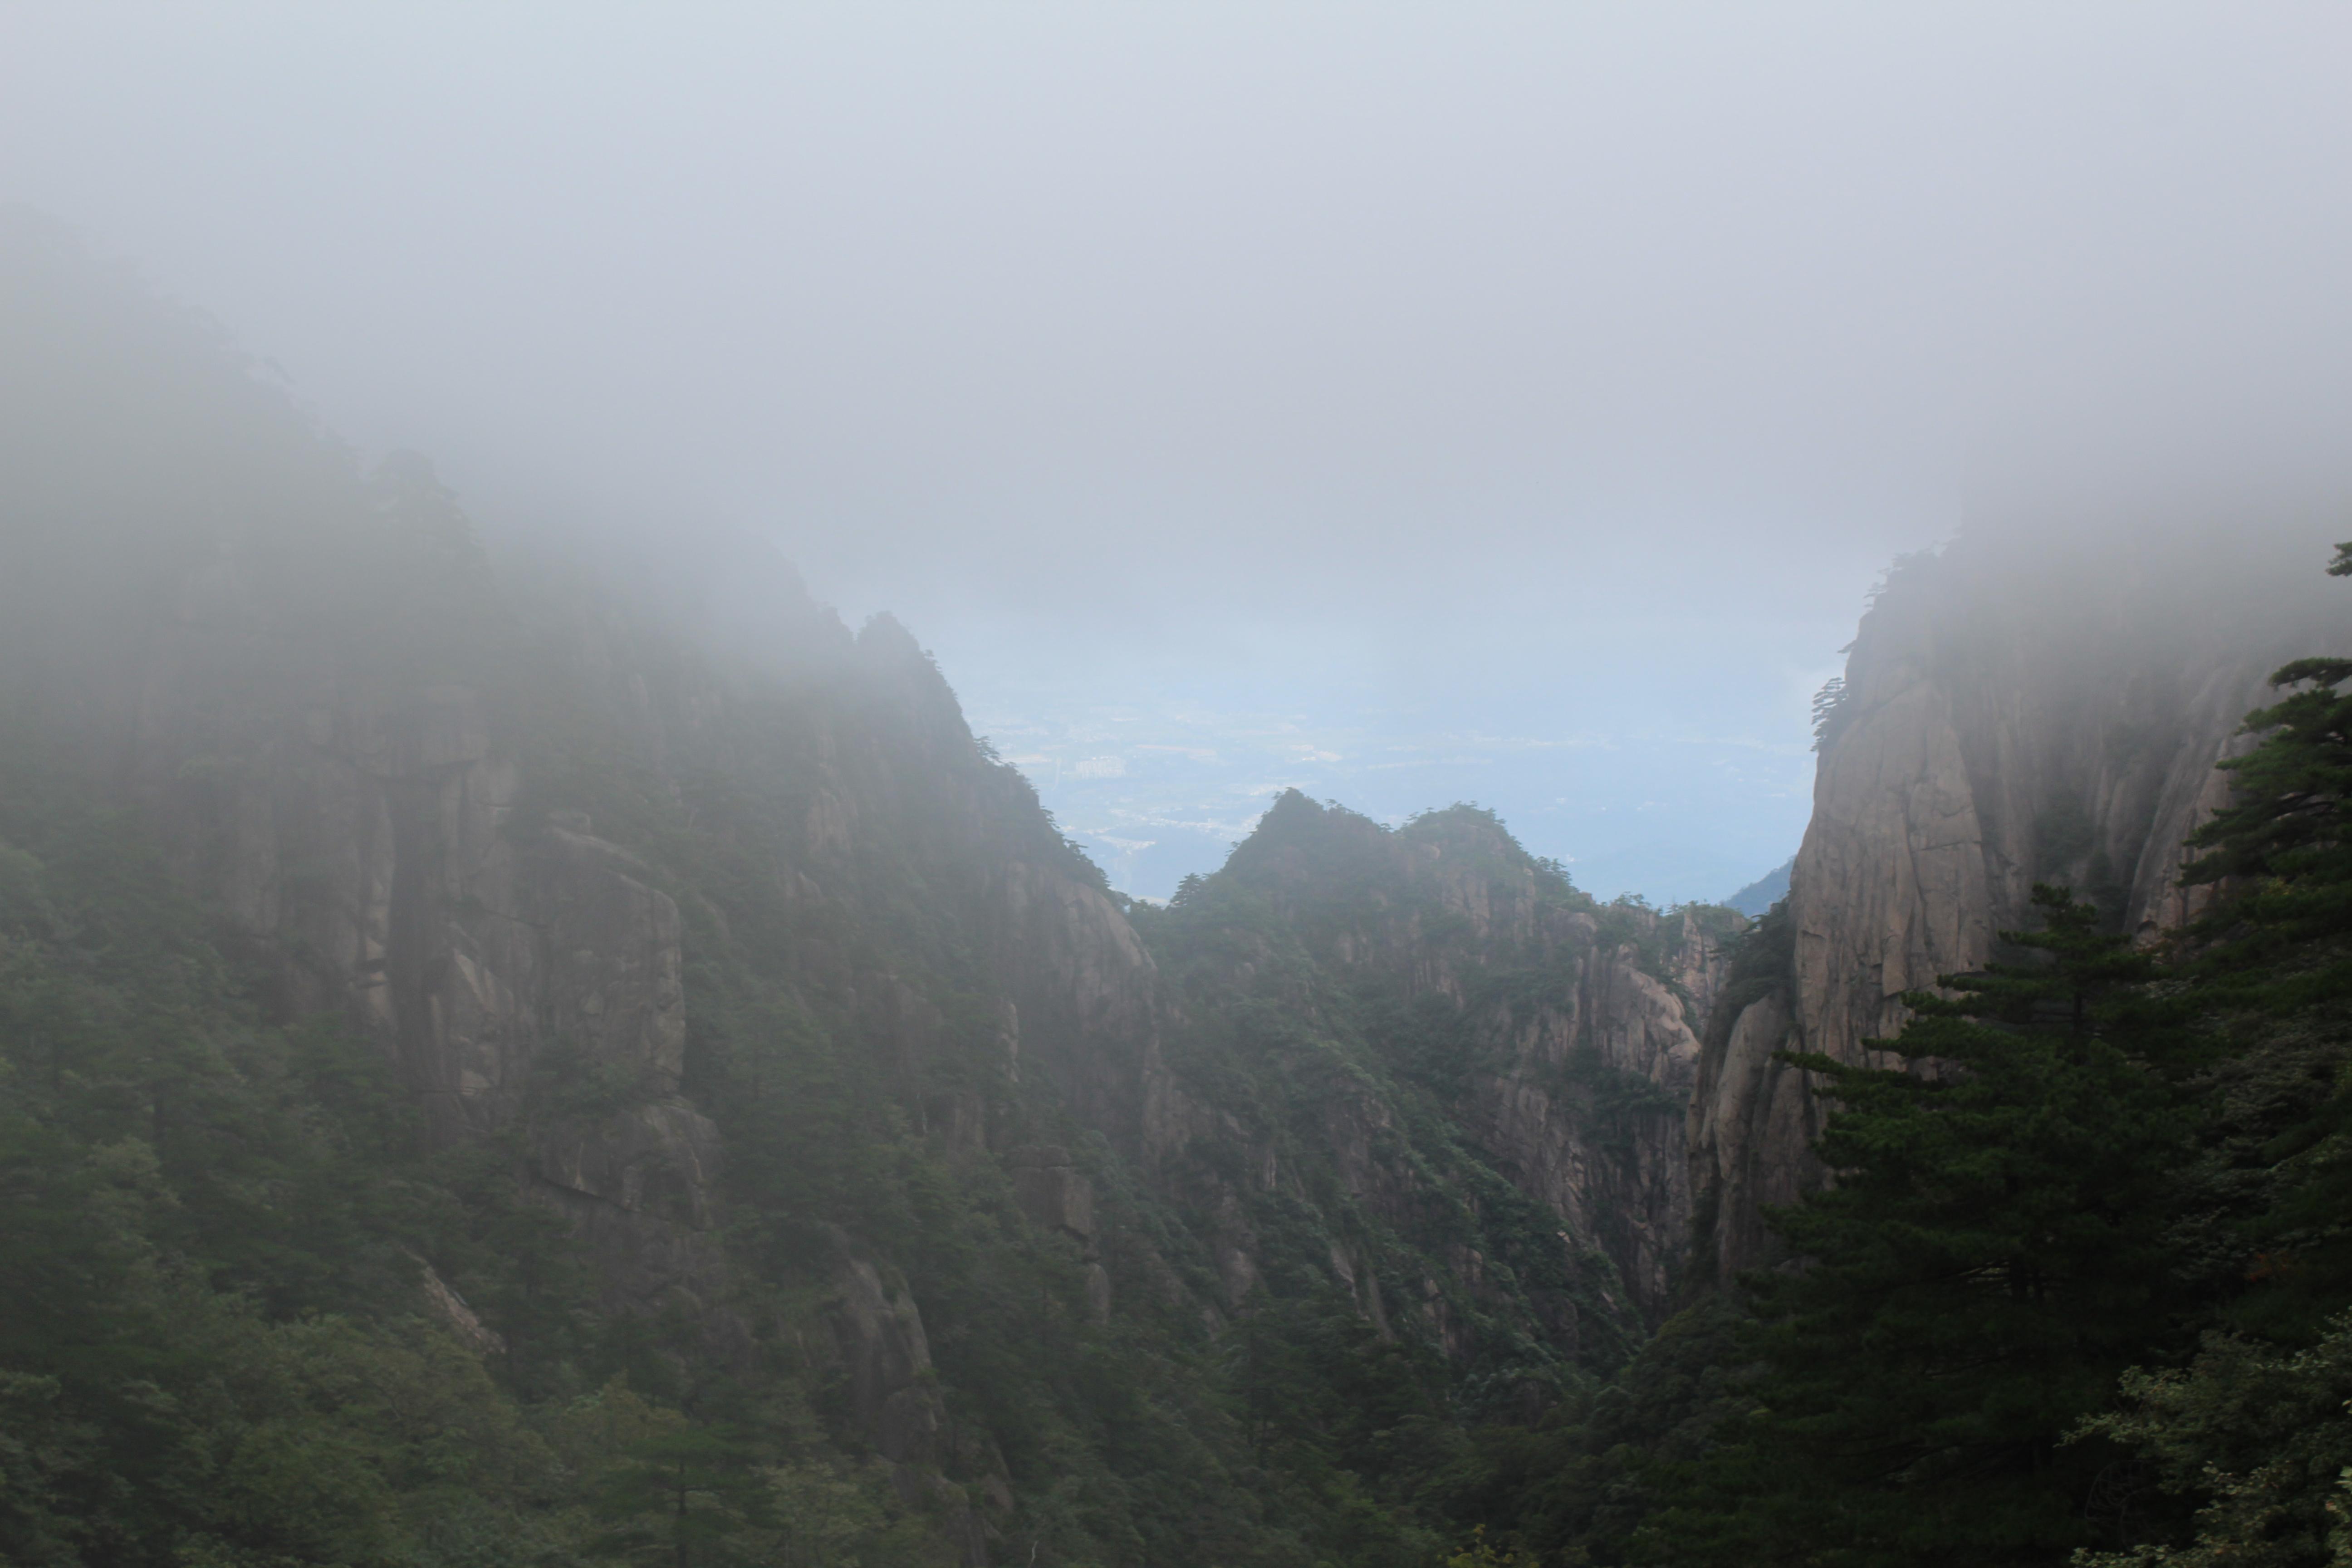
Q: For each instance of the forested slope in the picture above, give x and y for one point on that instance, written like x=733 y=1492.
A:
x=496 y=1077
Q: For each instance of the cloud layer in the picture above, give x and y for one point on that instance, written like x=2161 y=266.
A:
x=1534 y=372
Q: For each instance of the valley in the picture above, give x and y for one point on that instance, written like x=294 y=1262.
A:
x=492 y=1077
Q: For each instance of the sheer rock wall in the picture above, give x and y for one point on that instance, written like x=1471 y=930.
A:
x=2017 y=710
x=365 y=849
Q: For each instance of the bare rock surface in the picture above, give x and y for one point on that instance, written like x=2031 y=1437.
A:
x=2018 y=711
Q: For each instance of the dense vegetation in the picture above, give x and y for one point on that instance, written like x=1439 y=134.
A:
x=219 y=1345
x=223 y=1345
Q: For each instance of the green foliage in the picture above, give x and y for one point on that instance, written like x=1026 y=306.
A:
x=2253 y=1430
x=2082 y=1165
x=1120 y=1439
x=1992 y=1255
x=1310 y=1051
x=2080 y=1282
x=1576 y=1485
x=1305 y=1016
x=216 y=1223
x=1762 y=959
x=2289 y=826
x=2263 y=1434
x=1832 y=711
x=214 y=1348
x=2275 y=967
x=1479 y=1552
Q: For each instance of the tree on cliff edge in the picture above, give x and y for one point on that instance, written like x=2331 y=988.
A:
x=1992 y=1257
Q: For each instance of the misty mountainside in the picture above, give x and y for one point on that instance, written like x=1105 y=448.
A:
x=492 y=1078
x=505 y=1062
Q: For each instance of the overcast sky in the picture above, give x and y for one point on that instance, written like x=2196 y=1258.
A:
x=1408 y=403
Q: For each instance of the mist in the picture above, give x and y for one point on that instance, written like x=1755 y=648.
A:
x=1273 y=784
x=1501 y=404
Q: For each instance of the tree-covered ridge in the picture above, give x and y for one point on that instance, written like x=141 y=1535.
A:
x=1351 y=1080
x=1991 y=1258
x=1410 y=989
x=1295 y=1423
x=1305 y=1426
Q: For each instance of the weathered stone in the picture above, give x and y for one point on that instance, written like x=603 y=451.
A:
x=2018 y=711
x=1052 y=1190
x=452 y=1310
x=362 y=851
x=895 y=1404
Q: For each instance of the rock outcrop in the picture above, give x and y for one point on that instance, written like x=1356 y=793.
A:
x=895 y=1405
x=367 y=851
x=1579 y=1115
x=2018 y=709
x=1564 y=1033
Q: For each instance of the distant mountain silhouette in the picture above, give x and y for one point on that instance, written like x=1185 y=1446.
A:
x=1765 y=892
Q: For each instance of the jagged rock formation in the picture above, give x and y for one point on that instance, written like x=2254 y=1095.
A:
x=564 y=871
x=414 y=856
x=425 y=859
x=894 y=1402
x=1558 y=1035
x=562 y=875
x=2023 y=708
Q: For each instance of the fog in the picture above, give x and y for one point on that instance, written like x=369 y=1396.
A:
x=1407 y=402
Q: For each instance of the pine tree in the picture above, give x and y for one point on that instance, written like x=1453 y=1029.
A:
x=1992 y=1255
x=2255 y=1429
x=2275 y=969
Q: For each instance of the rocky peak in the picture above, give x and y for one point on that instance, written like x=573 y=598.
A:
x=1569 y=1028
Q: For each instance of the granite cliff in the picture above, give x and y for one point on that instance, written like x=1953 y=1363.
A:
x=763 y=1054
x=2026 y=706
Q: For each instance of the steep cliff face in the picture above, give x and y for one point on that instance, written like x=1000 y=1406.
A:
x=1437 y=976
x=548 y=870
x=2020 y=709
x=365 y=850
x=693 y=947
x=734 y=951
